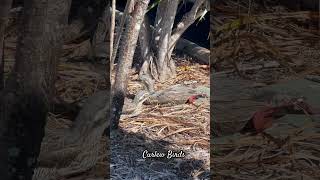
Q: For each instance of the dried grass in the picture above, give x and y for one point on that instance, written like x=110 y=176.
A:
x=165 y=127
x=247 y=157
x=249 y=34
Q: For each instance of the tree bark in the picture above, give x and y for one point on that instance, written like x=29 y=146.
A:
x=115 y=45
x=4 y=13
x=148 y=68
x=158 y=62
x=166 y=13
x=125 y=60
x=112 y=28
x=192 y=49
x=27 y=96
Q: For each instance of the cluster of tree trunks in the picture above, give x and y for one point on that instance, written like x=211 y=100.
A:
x=157 y=45
x=199 y=53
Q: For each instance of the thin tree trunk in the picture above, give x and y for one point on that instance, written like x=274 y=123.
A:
x=4 y=13
x=110 y=22
x=112 y=28
x=127 y=10
x=125 y=60
x=27 y=96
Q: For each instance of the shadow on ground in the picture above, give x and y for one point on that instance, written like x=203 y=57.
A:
x=127 y=160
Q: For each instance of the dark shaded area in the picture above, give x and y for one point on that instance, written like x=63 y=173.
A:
x=123 y=141
x=311 y=5
x=88 y=10
x=66 y=109
x=118 y=100
x=25 y=114
x=2 y=68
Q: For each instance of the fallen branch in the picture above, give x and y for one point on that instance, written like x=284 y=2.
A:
x=200 y=53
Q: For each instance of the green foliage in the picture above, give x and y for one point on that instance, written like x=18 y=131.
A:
x=153 y=5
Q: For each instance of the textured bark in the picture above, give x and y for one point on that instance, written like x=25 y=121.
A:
x=187 y=20
x=4 y=12
x=112 y=27
x=166 y=13
x=164 y=39
x=125 y=59
x=148 y=68
x=200 y=53
x=127 y=10
x=27 y=95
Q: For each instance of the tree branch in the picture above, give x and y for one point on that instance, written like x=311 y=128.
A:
x=187 y=20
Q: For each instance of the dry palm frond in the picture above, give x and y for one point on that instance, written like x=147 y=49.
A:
x=265 y=33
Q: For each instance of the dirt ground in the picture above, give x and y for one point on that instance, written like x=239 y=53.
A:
x=165 y=127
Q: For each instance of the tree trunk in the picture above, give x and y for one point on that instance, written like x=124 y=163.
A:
x=158 y=62
x=112 y=15
x=130 y=39
x=4 y=12
x=193 y=50
x=148 y=69
x=27 y=95
x=115 y=44
x=166 y=13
